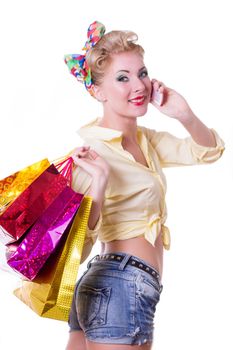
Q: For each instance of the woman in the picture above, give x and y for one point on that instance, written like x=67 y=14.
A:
x=120 y=166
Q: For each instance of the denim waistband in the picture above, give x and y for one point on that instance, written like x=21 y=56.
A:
x=125 y=259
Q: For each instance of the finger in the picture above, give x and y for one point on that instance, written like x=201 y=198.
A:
x=89 y=154
x=80 y=160
x=82 y=148
x=87 y=165
x=155 y=84
x=80 y=153
x=161 y=89
x=93 y=154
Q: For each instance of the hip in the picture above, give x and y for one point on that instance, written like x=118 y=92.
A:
x=116 y=302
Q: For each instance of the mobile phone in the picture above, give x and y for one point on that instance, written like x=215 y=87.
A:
x=157 y=97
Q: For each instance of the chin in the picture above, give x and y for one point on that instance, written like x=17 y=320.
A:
x=141 y=113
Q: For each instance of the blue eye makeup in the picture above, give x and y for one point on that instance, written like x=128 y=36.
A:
x=123 y=78
x=144 y=73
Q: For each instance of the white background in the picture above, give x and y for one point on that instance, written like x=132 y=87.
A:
x=187 y=46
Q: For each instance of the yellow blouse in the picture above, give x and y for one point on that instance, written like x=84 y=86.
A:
x=134 y=202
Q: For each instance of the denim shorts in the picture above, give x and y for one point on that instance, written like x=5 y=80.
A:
x=115 y=302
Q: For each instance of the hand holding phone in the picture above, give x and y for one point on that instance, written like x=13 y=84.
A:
x=156 y=95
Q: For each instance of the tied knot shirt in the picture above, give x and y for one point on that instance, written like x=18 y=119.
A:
x=134 y=201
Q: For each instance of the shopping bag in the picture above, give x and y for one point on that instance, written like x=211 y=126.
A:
x=12 y=186
x=65 y=167
x=30 y=204
x=50 y=293
x=6 y=183
x=29 y=255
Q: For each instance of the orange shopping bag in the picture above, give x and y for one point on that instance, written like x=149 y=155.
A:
x=12 y=186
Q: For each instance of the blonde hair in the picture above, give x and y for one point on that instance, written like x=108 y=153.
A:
x=114 y=42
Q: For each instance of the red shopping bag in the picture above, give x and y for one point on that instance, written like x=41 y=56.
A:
x=30 y=204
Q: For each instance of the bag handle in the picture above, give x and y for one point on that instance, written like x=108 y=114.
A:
x=65 y=167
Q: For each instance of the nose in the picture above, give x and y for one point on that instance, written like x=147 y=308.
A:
x=138 y=85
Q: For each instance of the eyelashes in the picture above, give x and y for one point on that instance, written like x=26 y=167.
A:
x=144 y=73
x=124 y=78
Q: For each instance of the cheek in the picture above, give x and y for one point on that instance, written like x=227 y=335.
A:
x=119 y=92
x=148 y=85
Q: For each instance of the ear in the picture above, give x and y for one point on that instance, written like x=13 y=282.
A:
x=99 y=94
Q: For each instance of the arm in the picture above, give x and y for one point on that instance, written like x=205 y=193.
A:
x=175 y=106
x=96 y=191
x=203 y=146
x=91 y=178
x=199 y=132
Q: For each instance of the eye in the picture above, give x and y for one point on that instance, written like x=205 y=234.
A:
x=122 y=78
x=144 y=74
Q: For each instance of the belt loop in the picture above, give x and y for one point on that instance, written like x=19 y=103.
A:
x=89 y=262
x=124 y=261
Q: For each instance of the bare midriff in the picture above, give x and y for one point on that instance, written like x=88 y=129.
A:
x=140 y=248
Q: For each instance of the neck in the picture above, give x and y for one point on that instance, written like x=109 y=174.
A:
x=128 y=126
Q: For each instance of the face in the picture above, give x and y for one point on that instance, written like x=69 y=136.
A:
x=126 y=87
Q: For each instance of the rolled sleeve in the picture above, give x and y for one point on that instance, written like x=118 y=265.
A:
x=205 y=154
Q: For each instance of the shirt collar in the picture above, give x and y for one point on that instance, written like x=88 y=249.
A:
x=92 y=130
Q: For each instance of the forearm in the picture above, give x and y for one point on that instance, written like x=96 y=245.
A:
x=200 y=133
x=96 y=191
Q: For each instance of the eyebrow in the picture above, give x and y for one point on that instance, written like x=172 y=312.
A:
x=127 y=71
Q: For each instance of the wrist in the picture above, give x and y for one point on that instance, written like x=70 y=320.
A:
x=97 y=189
x=99 y=183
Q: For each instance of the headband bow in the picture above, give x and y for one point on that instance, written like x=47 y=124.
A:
x=77 y=63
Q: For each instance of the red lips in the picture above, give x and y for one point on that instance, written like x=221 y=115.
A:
x=137 y=98
x=138 y=101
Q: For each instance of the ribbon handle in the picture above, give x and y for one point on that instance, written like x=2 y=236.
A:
x=65 y=167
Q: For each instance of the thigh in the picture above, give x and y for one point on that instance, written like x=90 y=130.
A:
x=98 y=346
x=76 y=341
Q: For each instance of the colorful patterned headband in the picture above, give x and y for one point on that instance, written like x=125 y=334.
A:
x=77 y=64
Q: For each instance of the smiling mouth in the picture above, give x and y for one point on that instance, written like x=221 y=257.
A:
x=138 y=100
